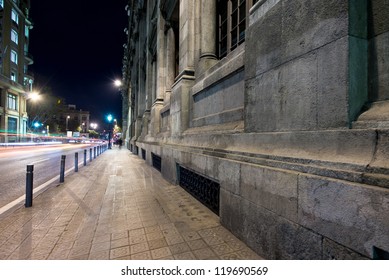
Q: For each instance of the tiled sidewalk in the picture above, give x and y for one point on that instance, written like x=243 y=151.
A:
x=117 y=208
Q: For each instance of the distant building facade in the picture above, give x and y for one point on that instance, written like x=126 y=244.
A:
x=73 y=119
x=273 y=113
x=15 y=79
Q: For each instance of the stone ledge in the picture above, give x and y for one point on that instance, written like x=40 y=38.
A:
x=352 y=155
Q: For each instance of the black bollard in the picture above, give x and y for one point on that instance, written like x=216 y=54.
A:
x=29 y=185
x=76 y=162
x=94 y=152
x=84 y=157
x=90 y=154
x=62 y=171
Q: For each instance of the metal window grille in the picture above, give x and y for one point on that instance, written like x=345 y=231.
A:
x=157 y=162
x=136 y=151
x=144 y=154
x=205 y=190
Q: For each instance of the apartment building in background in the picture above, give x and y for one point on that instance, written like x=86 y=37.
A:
x=15 y=79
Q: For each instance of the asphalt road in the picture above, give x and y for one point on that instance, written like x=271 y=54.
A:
x=46 y=161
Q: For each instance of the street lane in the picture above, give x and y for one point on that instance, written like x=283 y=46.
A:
x=46 y=161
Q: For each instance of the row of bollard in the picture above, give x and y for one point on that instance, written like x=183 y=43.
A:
x=98 y=150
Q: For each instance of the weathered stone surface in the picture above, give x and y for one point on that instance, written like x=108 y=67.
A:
x=293 y=241
x=287 y=78
x=378 y=17
x=380 y=160
x=353 y=215
x=219 y=103
x=291 y=29
x=304 y=31
x=231 y=213
x=229 y=176
x=212 y=167
x=332 y=85
x=379 y=67
x=334 y=251
x=266 y=232
x=272 y=189
x=262 y=55
x=169 y=165
x=197 y=163
x=180 y=106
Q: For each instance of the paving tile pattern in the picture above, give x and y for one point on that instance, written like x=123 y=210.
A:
x=118 y=207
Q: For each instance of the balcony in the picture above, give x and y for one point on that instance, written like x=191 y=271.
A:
x=29 y=58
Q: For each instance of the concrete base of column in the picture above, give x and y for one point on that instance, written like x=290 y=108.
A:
x=206 y=62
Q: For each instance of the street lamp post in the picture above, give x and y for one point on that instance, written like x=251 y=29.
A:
x=33 y=97
x=109 y=118
x=67 y=121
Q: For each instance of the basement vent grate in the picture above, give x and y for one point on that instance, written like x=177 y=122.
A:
x=136 y=151
x=144 y=154
x=203 y=189
x=156 y=159
x=379 y=254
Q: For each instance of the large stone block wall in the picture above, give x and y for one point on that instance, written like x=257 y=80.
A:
x=297 y=73
x=295 y=181
x=290 y=215
x=217 y=96
x=220 y=103
x=286 y=214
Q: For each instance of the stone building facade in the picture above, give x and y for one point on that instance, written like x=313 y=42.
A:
x=273 y=113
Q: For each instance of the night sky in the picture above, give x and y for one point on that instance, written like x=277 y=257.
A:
x=77 y=46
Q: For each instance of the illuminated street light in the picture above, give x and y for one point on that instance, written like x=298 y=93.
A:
x=93 y=126
x=109 y=119
x=67 y=121
x=118 y=83
x=33 y=96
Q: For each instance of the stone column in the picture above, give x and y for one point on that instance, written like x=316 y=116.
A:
x=208 y=35
x=170 y=62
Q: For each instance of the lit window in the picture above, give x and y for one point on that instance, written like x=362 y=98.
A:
x=12 y=102
x=13 y=76
x=15 y=16
x=26 y=31
x=14 y=36
x=2 y=3
x=14 y=56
